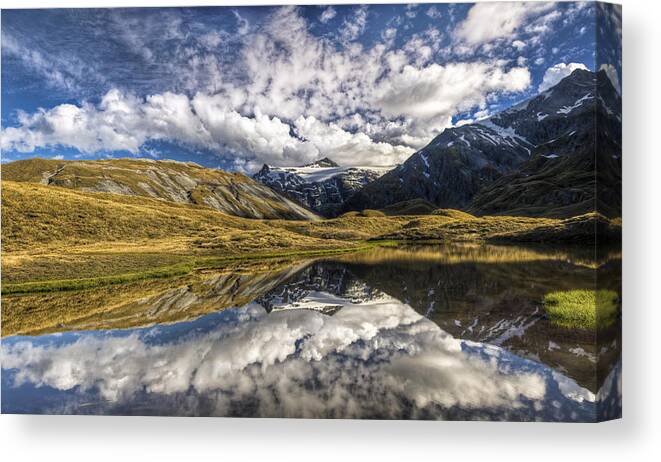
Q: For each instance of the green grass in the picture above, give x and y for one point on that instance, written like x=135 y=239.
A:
x=582 y=309
x=86 y=283
x=199 y=263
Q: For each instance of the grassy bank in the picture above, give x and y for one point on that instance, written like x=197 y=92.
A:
x=200 y=263
x=582 y=309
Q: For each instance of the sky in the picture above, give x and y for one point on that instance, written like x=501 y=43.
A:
x=237 y=87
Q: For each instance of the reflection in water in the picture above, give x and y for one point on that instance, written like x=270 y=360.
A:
x=349 y=337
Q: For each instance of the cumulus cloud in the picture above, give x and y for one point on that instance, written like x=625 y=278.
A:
x=556 y=73
x=123 y=122
x=494 y=20
x=437 y=92
x=119 y=122
x=380 y=359
x=288 y=97
x=344 y=146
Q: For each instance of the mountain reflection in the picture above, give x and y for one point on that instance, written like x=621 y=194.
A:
x=382 y=335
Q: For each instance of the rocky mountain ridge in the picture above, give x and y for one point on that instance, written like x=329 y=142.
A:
x=491 y=166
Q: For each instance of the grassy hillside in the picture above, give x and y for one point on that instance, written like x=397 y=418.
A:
x=458 y=227
x=54 y=233
x=180 y=182
x=54 y=237
x=410 y=207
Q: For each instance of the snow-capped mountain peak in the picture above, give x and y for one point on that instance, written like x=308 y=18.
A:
x=322 y=185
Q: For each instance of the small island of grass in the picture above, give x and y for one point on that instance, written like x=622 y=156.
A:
x=582 y=309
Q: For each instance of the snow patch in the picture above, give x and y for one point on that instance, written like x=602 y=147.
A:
x=507 y=133
x=567 y=109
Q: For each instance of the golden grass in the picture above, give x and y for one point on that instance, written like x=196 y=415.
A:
x=352 y=227
x=39 y=216
x=181 y=182
x=453 y=213
x=59 y=234
x=506 y=229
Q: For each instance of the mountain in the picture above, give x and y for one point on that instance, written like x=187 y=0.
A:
x=231 y=193
x=575 y=168
x=324 y=286
x=536 y=158
x=322 y=186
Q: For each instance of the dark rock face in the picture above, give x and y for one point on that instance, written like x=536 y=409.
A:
x=584 y=150
x=536 y=158
x=322 y=186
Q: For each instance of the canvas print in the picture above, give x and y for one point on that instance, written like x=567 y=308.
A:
x=342 y=211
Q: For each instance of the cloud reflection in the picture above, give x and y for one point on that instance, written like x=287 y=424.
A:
x=381 y=359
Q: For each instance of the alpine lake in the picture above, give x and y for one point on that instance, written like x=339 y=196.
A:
x=432 y=331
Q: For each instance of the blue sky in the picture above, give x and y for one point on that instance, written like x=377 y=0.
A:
x=235 y=87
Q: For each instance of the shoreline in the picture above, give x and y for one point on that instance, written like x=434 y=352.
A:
x=182 y=269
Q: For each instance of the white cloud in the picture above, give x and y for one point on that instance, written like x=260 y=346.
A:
x=374 y=104
x=59 y=72
x=494 y=20
x=556 y=73
x=328 y=14
x=124 y=123
x=543 y=24
x=269 y=360
x=210 y=39
x=438 y=92
x=518 y=44
x=354 y=25
x=411 y=10
x=343 y=146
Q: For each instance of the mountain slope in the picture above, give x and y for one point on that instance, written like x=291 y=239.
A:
x=187 y=183
x=322 y=186
x=576 y=171
x=477 y=167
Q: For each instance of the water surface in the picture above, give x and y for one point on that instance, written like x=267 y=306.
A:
x=431 y=332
